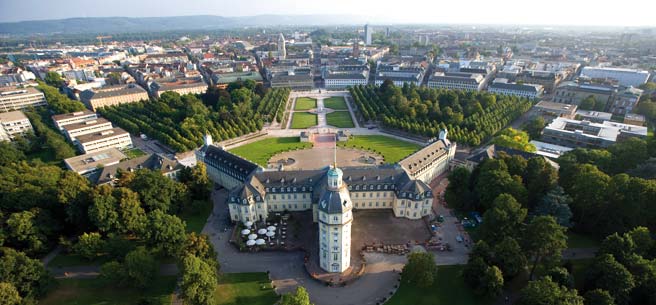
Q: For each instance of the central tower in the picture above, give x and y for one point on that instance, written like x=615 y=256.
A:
x=335 y=218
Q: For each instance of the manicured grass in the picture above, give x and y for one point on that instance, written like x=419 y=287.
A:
x=335 y=103
x=579 y=269
x=576 y=240
x=341 y=119
x=134 y=153
x=391 y=149
x=70 y=259
x=302 y=120
x=449 y=288
x=196 y=220
x=305 y=103
x=97 y=292
x=261 y=151
x=245 y=289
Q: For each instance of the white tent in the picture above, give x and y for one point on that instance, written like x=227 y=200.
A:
x=250 y=243
x=261 y=231
x=271 y=228
x=252 y=236
x=248 y=224
x=270 y=234
x=260 y=242
x=245 y=232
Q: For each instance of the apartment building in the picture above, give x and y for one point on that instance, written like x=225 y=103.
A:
x=585 y=134
x=501 y=86
x=457 y=81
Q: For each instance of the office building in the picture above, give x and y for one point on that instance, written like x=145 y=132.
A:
x=368 y=32
x=12 y=98
x=585 y=134
x=87 y=164
x=115 y=137
x=113 y=95
x=87 y=127
x=282 y=48
x=12 y=124
x=457 y=81
x=62 y=120
x=501 y=86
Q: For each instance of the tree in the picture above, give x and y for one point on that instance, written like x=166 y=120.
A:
x=73 y=193
x=9 y=295
x=540 y=177
x=642 y=240
x=140 y=267
x=27 y=275
x=457 y=194
x=420 y=269
x=102 y=211
x=503 y=219
x=9 y=153
x=113 y=272
x=620 y=247
x=513 y=138
x=198 y=281
x=509 y=256
x=543 y=238
x=627 y=155
x=199 y=245
x=608 y=274
x=197 y=181
x=545 y=292
x=89 y=245
x=588 y=103
x=534 y=127
x=598 y=297
x=299 y=297
x=156 y=191
x=54 y=79
x=556 y=203
x=24 y=230
x=132 y=216
x=491 y=282
x=166 y=232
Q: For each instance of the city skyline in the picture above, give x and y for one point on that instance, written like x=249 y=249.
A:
x=558 y=12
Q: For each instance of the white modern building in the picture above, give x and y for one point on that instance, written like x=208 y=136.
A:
x=115 y=137
x=62 y=120
x=282 y=49
x=368 y=32
x=13 y=123
x=87 y=127
x=20 y=98
x=625 y=77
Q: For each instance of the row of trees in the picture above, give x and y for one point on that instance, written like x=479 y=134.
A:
x=470 y=117
x=58 y=102
x=181 y=121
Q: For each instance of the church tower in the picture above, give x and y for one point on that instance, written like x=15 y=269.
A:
x=335 y=218
x=282 y=50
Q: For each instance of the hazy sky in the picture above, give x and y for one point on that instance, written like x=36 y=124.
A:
x=555 y=12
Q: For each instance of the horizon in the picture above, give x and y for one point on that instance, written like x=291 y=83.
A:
x=480 y=12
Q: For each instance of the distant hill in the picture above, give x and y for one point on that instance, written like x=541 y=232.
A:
x=157 y=24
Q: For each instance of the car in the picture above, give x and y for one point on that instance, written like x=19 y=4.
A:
x=440 y=218
x=459 y=238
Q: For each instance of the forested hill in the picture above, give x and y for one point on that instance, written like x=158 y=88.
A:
x=158 y=24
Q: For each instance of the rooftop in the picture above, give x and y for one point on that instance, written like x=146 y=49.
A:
x=101 y=135
x=89 y=162
x=59 y=117
x=12 y=116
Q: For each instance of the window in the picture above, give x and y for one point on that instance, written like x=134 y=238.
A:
x=334 y=218
x=335 y=257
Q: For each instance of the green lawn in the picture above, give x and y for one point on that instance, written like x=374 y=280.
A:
x=391 y=149
x=341 y=119
x=134 y=153
x=579 y=269
x=305 y=103
x=576 y=240
x=245 y=289
x=302 y=120
x=70 y=259
x=196 y=220
x=335 y=102
x=449 y=288
x=96 y=292
x=261 y=151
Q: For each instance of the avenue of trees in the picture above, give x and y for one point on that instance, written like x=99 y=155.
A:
x=181 y=121
x=470 y=117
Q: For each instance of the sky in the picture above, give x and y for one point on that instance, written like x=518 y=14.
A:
x=550 y=12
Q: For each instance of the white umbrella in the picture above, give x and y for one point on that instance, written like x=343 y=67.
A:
x=271 y=228
x=245 y=231
x=270 y=234
x=248 y=224
x=250 y=243
x=262 y=231
x=252 y=236
x=260 y=242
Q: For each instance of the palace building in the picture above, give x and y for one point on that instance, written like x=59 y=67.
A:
x=331 y=193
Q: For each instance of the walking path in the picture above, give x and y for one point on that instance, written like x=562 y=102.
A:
x=93 y=271
x=321 y=115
